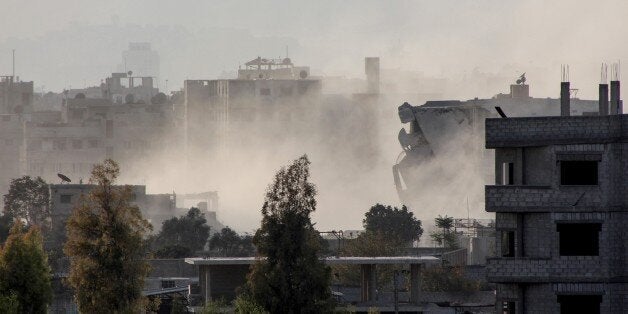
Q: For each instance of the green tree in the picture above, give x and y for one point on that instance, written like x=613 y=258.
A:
x=182 y=236
x=105 y=246
x=291 y=278
x=5 y=226
x=445 y=237
x=28 y=199
x=228 y=243
x=444 y=279
x=9 y=304
x=25 y=276
x=399 y=225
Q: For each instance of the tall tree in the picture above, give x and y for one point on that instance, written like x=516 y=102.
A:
x=25 y=277
x=28 y=199
x=105 y=246
x=396 y=224
x=291 y=278
x=182 y=236
x=445 y=236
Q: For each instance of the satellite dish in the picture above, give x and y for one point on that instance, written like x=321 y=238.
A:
x=303 y=74
x=63 y=178
x=129 y=73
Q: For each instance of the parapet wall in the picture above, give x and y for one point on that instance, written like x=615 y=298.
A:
x=540 y=131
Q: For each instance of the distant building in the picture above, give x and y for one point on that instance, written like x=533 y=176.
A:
x=11 y=138
x=156 y=208
x=88 y=130
x=560 y=204
x=217 y=111
x=16 y=97
x=141 y=60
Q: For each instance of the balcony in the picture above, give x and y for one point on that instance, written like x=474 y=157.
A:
x=525 y=198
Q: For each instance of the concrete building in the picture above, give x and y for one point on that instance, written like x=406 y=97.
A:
x=450 y=134
x=155 y=207
x=220 y=277
x=16 y=97
x=267 y=91
x=560 y=207
x=11 y=138
x=140 y=59
x=89 y=130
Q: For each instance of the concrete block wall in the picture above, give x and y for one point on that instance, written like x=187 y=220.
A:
x=541 y=131
x=538 y=274
x=543 y=298
x=541 y=260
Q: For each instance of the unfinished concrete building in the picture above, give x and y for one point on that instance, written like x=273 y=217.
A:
x=560 y=206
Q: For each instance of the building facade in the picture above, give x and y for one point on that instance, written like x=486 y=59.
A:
x=561 y=210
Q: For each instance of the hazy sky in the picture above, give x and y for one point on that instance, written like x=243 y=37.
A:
x=440 y=37
x=76 y=43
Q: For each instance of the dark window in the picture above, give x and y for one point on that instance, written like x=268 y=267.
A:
x=508 y=244
x=508 y=173
x=508 y=307
x=58 y=144
x=26 y=99
x=264 y=91
x=77 y=144
x=286 y=90
x=77 y=114
x=578 y=172
x=167 y=284
x=570 y=304
x=66 y=198
x=579 y=239
x=109 y=128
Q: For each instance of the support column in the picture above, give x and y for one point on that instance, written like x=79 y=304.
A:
x=208 y=295
x=415 y=283
x=368 y=282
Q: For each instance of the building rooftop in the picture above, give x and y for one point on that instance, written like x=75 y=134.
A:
x=351 y=260
x=556 y=130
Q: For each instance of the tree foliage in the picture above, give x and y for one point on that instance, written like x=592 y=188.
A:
x=9 y=304
x=445 y=279
x=445 y=236
x=105 y=246
x=25 y=277
x=5 y=226
x=182 y=236
x=28 y=199
x=291 y=278
x=228 y=243
x=399 y=225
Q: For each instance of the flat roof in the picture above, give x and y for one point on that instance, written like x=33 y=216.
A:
x=352 y=260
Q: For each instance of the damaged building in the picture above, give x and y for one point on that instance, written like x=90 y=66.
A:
x=560 y=205
x=442 y=147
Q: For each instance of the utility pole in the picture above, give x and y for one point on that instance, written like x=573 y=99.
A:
x=13 y=64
